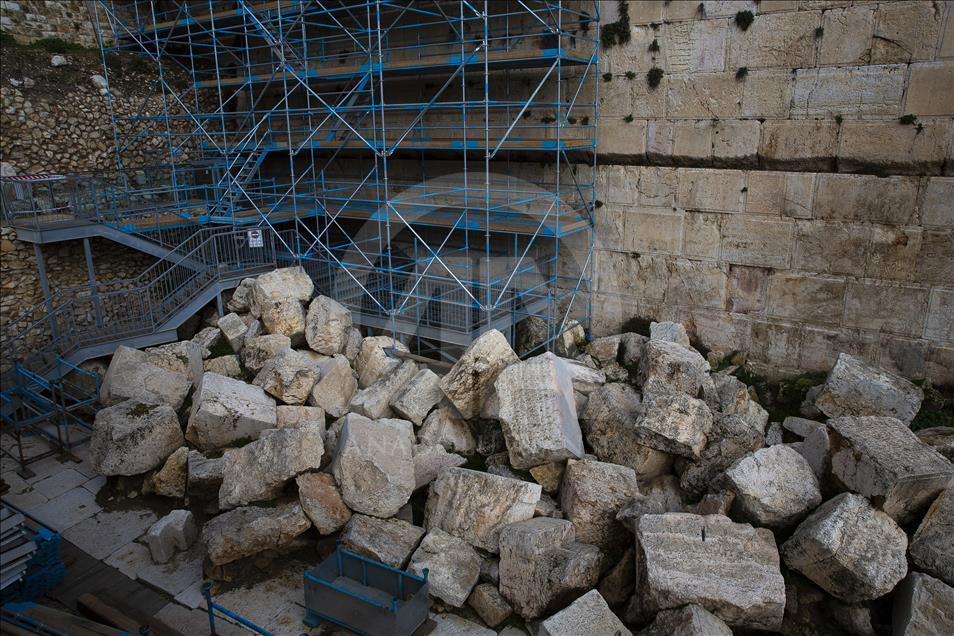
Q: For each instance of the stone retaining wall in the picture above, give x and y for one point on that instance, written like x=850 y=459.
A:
x=802 y=210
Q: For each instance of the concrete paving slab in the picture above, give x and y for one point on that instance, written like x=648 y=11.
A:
x=49 y=466
x=68 y=509
x=173 y=577
x=104 y=533
x=28 y=500
x=263 y=601
x=191 y=597
x=58 y=483
x=130 y=559
x=193 y=621
x=95 y=484
x=14 y=482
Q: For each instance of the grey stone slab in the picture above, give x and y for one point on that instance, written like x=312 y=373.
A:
x=95 y=484
x=130 y=559
x=67 y=510
x=263 y=601
x=28 y=500
x=102 y=534
x=192 y=597
x=195 y=621
x=173 y=577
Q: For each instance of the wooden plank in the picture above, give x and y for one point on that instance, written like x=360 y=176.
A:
x=68 y=623
x=119 y=615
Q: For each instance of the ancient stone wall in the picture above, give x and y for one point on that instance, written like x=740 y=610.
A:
x=29 y=20
x=786 y=189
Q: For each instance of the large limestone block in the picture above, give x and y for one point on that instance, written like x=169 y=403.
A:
x=290 y=283
x=284 y=316
x=490 y=605
x=260 y=349
x=849 y=549
x=537 y=412
x=940 y=438
x=133 y=437
x=184 y=358
x=856 y=388
x=774 y=486
x=321 y=500
x=589 y=615
x=584 y=379
x=374 y=401
x=430 y=460
x=337 y=386
x=880 y=458
x=923 y=605
x=239 y=302
x=444 y=428
x=170 y=480
x=288 y=377
x=247 y=531
x=542 y=568
x=669 y=331
x=374 y=360
x=730 y=438
x=205 y=475
x=374 y=467
x=674 y=423
x=132 y=375
x=207 y=339
x=690 y=620
x=416 y=398
x=453 y=566
x=328 y=326
x=932 y=546
x=390 y=541
x=471 y=380
x=226 y=411
x=730 y=396
x=174 y=532
x=297 y=416
x=475 y=506
x=259 y=470
x=730 y=569
x=608 y=423
x=657 y=496
x=233 y=329
x=224 y=365
x=667 y=367
x=591 y=495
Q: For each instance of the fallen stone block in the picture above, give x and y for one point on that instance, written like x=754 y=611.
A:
x=801 y=426
x=226 y=410
x=880 y=458
x=730 y=396
x=674 y=423
x=336 y=388
x=205 y=475
x=389 y=541
x=245 y=532
x=591 y=496
x=416 y=398
x=690 y=620
x=374 y=360
x=259 y=470
x=549 y=475
x=430 y=460
x=374 y=467
x=334 y=431
x=849 y=549
x=239 y=302
x=855 y=388
x=170 y=480
x=374 y=401
x=454 y=625
x=589 y=615
x=730 y=569
x=184 y=358
x=207 y=339
x=328 y=326
x=132 y=375
x=133 y=437
x=667 y=367
x=284 y=316
x=730 y=438
x=631 y=347
x=923 y=605
x=291 y=283
x=233 y=329
x=618 y=584
x=321 y=500
x=288 y=377
x=932 y=546
x=228 y=366
x=490 y=605
x=537 y=412
x=584 y=379
x=453 y=566
x=353 y=344
x=259 y=350
x=774 y=486
x=657 y=496
x=605 y=349
x=571 y=341
x=444 y=428
x=669 y=332
x=475 y=506
x=542 y=568
x=608 y=423
x=940 y=438
x=469 y=382
x=294 y=416
x=174 y=532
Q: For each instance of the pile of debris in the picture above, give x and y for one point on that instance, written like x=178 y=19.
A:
x=621 y=483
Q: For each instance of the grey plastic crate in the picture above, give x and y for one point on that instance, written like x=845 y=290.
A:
x=365 y=596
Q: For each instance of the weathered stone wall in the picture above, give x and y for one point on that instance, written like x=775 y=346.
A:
x=789 y=210
x=29 y=20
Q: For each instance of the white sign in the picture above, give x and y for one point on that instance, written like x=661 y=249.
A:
x=255 y=238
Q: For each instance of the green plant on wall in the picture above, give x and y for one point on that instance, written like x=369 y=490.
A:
x=654 y=77
x=744 y=19
x=617 y=32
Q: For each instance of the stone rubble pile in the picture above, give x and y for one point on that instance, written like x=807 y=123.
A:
x=620 y=486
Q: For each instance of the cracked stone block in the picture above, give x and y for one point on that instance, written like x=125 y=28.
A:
x=923 y=605
x=284 y=316
x=233 y=329
x=245 y=532
x=374 y=400
x=336 y=388
x=774 y=486
x=674 y=423
x=856 y=388
x=321 y=500
x=588 y=614
x=288 y=377
x=667 y=367
x=849 y=549
x=416 y=398
x=132 y=375
x=591 y=496
x=226 y=410
x=328 y=326
x=470 y=381
x=453 y=566
x=291 y=283
x=731 y=437
x=690 y=620
x=174 y=532
x=490 y=605
x=131 y=438
x=444 y=428
x=670 y=332
x=932 y=546
x=205 y=475
x=430 y=460
x=390 y=541
x=374 y=360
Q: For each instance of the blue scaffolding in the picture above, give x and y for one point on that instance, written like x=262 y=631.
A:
x=430 y=164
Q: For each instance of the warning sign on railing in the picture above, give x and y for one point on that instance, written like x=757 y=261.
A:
x=255 y=238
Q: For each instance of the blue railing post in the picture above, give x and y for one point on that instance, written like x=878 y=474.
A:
x=210 y=607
